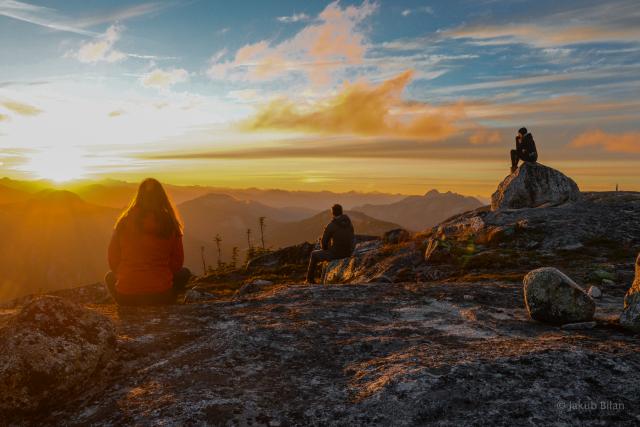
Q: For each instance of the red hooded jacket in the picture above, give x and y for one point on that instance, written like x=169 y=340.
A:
x=143 y=262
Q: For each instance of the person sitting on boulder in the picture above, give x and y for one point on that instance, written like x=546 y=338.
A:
x=337 y=242
x=525 y=149
x=145 y=253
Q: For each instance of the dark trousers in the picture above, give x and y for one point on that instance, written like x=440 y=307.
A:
x=516 y=157
x=180 y=280
x=316 y=257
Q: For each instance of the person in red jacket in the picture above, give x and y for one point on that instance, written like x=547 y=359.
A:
x=145 y=252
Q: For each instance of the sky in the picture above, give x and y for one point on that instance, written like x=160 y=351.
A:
x=392 y=96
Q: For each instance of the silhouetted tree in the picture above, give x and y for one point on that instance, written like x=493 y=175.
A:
x=262 y=227
x=204 y=263
x=249 y=245
x=218 y=240
x=235 y=254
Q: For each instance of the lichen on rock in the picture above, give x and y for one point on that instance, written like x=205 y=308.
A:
x=630 y=317
x=533 y=185
x=551 y=296
x=49 y=350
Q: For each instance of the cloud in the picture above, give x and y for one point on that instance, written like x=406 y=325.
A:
x=611 y=21
x=363 y=109
x=123 y=14
x=335 y=40
x=296 y=17
x=485 y=137
x=164 y=79
x=116 y=113
x=545 y=36
x=20 y=108
x=102 y=49
x=628 y=142
x=51 y=19
x=3 y=117
x=38 y=15
x=423 y=9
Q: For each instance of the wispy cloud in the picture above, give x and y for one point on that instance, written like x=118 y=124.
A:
x=39 y=15
x=363 y=109
x=605 y=72
x=123 y=14
x=417 y=10
x=53 y=20
x=296 y=17
x=546 y=36
x=115 y=113
x=485 y=137
x=335 y=40
x=628 y=142
x=20 y=108
x=164 y=79
x=101 y=49
x=615 y=21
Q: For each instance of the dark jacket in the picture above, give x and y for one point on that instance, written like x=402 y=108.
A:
x=338 y=237
x=527 y=148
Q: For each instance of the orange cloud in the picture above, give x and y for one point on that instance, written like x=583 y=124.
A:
x=485 y=137
x=363 y=109
x=334 y=40
x=545 y=36
x=628 y=142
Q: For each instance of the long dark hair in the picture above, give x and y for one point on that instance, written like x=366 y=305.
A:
x=151 y=199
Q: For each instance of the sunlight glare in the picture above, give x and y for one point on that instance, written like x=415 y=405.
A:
x=59 y=164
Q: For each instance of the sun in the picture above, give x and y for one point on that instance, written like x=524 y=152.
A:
x=57 y=164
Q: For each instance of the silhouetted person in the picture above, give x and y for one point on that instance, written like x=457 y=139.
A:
x=145 y=252
x=337 y=242
x=525 y=149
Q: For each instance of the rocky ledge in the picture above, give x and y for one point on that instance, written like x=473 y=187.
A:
x=594 y=238
x=455 y=353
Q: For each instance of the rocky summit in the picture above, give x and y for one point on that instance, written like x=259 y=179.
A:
x=533 y=185
x=480 y=320
x=407 y=354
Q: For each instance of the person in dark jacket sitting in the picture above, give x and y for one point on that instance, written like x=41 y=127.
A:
x=525 y=149
x=337 y=242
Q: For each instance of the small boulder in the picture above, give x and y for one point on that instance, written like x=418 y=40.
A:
x=594 y=292
x=398 y=235
x=551 y=296
x=49 y=350
x=630 y=317
x=533 y=185
x=196 y=295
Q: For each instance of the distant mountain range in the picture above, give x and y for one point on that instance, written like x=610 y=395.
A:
x=118 y=194
x=220 y=214
x=52 y=240
x=55 y=239
x=420 y=212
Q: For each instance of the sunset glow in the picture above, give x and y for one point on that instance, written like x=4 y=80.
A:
x=350 y=95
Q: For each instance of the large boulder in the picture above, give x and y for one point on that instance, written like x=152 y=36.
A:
x=533 y=185
x=48 y=351
x=552 y=297
x=298 y=254
x=630 y=317
x=395 y=236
